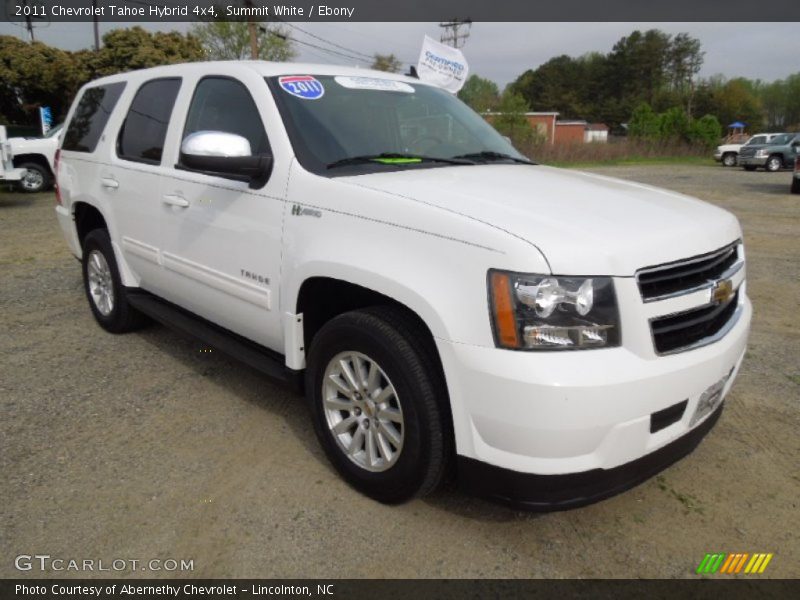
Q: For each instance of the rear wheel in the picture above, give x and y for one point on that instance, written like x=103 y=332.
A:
x=373 y=394
x=774 y=163
x=104 y=288
x=729 y=159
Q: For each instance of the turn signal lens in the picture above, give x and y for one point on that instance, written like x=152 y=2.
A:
x=504 y=321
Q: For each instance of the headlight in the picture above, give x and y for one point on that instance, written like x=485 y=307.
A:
x=762 y=153
x=547 y=312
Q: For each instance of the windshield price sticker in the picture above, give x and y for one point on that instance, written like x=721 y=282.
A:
x=373 y=83
x=302 y=86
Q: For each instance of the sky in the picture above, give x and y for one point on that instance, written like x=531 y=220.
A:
x=503 y=51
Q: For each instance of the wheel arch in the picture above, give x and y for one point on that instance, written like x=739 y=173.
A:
x=20 y=159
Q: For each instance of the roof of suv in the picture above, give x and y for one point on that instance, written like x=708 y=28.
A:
x=261 y=67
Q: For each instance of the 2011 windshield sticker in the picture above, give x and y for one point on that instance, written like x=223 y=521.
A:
x=302 y=86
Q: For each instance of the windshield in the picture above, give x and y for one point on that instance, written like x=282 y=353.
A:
x=54 y=130
x=759 y=139
x=333 y=120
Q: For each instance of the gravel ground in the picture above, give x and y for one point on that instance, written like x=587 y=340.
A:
x=144 y=446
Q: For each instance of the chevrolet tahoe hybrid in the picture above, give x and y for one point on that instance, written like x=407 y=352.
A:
x=548 y=337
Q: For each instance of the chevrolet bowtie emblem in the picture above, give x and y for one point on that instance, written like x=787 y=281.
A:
x=722 y=291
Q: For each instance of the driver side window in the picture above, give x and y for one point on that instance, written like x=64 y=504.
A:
x=225 y=105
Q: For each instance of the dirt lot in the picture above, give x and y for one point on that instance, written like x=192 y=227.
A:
x=144 y=446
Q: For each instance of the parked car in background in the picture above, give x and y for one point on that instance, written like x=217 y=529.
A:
x=728 y=154
x=780 y=153
x=796 y=176
x=36 y=156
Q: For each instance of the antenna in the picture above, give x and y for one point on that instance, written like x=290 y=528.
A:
x=451 y=34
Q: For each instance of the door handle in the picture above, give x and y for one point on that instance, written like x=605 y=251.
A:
x=108 y=182
x=174 y=200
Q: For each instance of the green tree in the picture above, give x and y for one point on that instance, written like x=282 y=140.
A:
x=511 y=121
x=387 y=62
x=33 y=75
x=480 y=94
x=134 y=48
x=673 y=125
x=230 y=40
x=644 y=123
x=705 y=131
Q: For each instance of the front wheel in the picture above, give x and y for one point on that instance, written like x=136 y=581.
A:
x=36 y=178
x=376 y=403
x=104 y=288
x=729 y=159
x=774 y=163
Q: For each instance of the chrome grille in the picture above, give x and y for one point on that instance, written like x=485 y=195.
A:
x=688 y=275
x=692 y=328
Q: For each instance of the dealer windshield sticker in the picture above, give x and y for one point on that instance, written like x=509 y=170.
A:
x=373 y=83
x=302 y=86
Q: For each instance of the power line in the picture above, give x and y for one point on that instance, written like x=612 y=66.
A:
x=309 y=44
x=316 y=37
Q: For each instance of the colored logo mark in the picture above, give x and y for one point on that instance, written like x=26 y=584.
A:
x=730 y=564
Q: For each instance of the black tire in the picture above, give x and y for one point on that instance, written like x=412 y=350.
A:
x=774 y=163
x=795 y=185
x=37 y=180
x=729 y=159
x=393 y=340
x=122 y=317
x=749 y=167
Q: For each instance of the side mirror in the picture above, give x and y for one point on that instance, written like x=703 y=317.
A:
x=224 y=155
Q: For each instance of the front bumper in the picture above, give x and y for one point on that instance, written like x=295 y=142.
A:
x=752 y=161
x=561 y=492
x=579 y=418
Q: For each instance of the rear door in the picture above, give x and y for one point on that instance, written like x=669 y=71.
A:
x=132 y=178
x=221 y=240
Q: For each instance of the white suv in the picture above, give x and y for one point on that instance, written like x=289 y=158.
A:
x=547 y=336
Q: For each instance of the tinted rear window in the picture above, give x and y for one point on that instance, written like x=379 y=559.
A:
x=142 y=135
x=91 y=116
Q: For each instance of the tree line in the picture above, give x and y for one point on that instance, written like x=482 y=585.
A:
x=645 y=71
x=35 y=74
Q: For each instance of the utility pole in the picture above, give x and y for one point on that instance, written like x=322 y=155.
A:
x=28 y=22
x=251 y=26
x=96 y=27
x=451 y=34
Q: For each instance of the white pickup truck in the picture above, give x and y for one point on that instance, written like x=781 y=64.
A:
x=549 y=337
x=36 y=155
x=8 y=172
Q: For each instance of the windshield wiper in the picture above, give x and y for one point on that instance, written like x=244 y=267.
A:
x=396 y=158
x=490 y=155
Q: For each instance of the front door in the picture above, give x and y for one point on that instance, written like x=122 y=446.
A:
x=220 y=239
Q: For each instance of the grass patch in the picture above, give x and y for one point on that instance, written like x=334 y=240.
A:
x=690 y=503
x=632 y=161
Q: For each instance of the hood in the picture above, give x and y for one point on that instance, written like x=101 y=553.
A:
x=584 y=224
x=729 y=147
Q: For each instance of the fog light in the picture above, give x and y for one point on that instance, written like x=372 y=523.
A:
x=581 y=336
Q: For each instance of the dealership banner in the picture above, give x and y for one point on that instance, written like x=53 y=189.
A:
x=442 y=65
x=132 y=11
x=395 y=589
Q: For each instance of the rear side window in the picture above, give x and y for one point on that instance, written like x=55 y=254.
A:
x=91 y=116
x=222 y=104
x=141 y=138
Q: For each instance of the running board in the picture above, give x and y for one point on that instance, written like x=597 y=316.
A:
x=261 y=359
